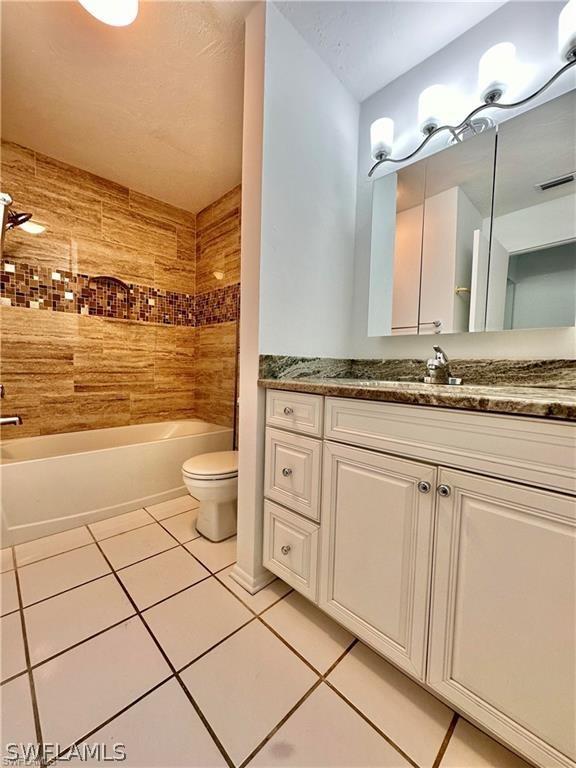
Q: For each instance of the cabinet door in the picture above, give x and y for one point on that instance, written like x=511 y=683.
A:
x=503 y=622
x=376 y=544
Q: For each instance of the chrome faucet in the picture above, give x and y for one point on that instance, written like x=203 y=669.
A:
x=8 y=421
x=438 y=368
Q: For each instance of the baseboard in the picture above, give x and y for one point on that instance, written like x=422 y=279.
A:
x=248 y=582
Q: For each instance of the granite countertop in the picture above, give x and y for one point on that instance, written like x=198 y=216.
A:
x=542 y=401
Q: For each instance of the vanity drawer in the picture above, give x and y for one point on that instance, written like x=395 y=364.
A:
x=291 y=548
x=292 y=471
x=295 y=411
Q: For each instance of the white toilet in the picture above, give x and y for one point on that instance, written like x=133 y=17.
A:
x=212 y=478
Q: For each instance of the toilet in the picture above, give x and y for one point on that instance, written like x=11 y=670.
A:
x=212 y=478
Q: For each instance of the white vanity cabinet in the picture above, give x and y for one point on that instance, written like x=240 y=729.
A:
x=445 y=540
x=377 y=526
x=503 y=619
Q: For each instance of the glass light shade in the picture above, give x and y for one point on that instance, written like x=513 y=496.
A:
x=436 y=106
x=117 y=13
x=32 y=227
x=567 y=31
x=382 y=137
x=496 y=71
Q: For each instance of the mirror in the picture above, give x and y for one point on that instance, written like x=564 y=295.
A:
x=481 y=235
x=532 y=274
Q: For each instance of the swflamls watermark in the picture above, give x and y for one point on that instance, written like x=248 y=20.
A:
x=37 y=754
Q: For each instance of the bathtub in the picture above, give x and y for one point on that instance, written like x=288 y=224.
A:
x=53 y=483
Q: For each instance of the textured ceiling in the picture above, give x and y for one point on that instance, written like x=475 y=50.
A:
x=156 y=106
x=369 y=44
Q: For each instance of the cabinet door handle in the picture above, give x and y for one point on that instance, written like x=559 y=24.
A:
x=286 y=471
x=285 y=549
x=444 y=490
x=424 y=486
x=288 y=411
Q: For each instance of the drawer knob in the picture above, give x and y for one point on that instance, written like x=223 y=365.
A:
x=286 y=471
x=285 y=549
x=424 y=486
x=444 y=490
x=288 y=411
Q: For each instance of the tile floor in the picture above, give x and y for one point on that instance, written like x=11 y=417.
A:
x=131 y=631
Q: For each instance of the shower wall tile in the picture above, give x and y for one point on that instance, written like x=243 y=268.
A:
x=81 y=355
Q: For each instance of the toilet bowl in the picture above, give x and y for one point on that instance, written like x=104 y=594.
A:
x=212 y=478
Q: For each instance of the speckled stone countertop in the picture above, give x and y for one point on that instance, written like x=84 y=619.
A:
x=552 y=395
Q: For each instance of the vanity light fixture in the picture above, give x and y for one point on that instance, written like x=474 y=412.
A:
x=497 y=68
x=116 y=13
x=435 y=107
x=382 y=138
x=32 y=227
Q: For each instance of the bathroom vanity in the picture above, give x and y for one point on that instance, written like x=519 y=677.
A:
x=439 y=537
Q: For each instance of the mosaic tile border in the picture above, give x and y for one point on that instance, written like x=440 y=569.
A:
x=41 y=288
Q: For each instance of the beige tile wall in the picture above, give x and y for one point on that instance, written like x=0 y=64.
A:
x=65 y=372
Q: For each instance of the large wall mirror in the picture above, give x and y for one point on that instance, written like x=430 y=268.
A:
x=481 y=235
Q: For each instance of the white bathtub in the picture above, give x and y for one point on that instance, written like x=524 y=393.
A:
x=53 y=483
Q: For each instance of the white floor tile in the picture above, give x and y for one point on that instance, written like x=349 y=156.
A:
x=120 y=524
x=183 y=527
x=12 y=646
x=470 y=748
x=393 y=702
x=161 y=730
x=90 y=683
x=52 y=545
x=135 y=545
x=56 y=574
x=6 y=560
x=16 y=715
x=189 y=623
x=246 y=685
x=326 y=732
x=62 y=621
x=159 y=577
x=214 y=555
x=173 y=507
x=310 y=631
x=261 y=600
x=8 y=593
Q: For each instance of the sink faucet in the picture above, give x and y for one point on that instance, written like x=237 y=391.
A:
x=8 y=421
x=438 y=368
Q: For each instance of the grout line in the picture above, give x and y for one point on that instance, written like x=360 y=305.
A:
x=372 y=725
x=170 y=665
x=212 y=647
x=446 y=741
x=277 y=727
x=290 y=591
x=48 y=557
x=64 y=591
x=34 y=700
x=287 y=644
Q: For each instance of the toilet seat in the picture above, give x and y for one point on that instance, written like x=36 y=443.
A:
x=221 y=465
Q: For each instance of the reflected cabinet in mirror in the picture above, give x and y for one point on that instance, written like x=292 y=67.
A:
x=481 y=235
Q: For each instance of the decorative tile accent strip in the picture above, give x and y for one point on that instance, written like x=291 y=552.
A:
x=38 y=287
x=531 y=373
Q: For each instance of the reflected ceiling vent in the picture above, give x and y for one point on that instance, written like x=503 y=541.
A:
x=557 y=182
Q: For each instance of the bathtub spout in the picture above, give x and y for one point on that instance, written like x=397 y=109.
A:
x=10 y=421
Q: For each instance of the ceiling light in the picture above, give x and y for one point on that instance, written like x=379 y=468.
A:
x=117 y=13
x=567 y=31
x=218 y=275
x=496 y=71
x=382 y=137
x=32 y=227
x=435 y=107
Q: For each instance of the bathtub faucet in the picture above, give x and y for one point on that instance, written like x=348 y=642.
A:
x=8 y=421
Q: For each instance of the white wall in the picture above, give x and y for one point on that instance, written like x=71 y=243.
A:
x=532 y=26
x=309 y=199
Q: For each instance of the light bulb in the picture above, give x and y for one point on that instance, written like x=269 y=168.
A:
x=382 y=137
x=117 y=13
x=496 y=71
x=435 y=107
x=32 y=227
x=567 y=31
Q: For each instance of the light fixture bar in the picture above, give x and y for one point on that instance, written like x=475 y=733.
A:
x=456 y=129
